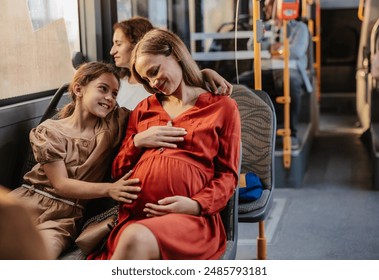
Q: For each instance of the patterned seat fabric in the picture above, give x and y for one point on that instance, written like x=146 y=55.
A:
x=258 y=124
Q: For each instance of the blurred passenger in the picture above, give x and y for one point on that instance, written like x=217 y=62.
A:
x=19 y=238
x=272 y=70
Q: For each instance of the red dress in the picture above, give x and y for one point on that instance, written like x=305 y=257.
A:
x=204 y=167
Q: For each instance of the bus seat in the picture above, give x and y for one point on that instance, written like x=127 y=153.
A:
x=77 y=59
x=229 y=217
x=258 y=121
x=50 y=112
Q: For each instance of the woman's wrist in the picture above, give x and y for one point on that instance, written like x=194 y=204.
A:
x=136 y=141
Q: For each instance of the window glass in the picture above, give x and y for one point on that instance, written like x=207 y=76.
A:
x=154 y=10
x=38 y=38
x=217 y=14
x=124 y=9
x=44 y=12
x=213 y=36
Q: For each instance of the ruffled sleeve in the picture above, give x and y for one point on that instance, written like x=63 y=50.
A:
x=47 y=144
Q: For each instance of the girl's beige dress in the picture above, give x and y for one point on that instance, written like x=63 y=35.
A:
x=86 y=159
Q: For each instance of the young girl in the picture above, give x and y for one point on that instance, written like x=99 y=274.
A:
x=74 y=154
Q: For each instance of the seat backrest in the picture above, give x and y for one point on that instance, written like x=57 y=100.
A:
x=258 y=124
x=50 y=112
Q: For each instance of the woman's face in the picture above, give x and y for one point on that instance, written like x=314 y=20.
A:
x=99 y=96
x=161 y=72
x=121 y=49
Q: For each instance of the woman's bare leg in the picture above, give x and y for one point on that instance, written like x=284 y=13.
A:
x=137 y=242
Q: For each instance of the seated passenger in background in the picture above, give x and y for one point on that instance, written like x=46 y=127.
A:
x=126 y=35
x=272 y=71
x=176 y=214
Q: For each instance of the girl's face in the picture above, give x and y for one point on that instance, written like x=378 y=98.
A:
x=161 y=72
x=121 y=49
x=99 y=96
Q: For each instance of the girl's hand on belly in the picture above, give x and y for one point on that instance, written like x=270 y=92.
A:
x=124 y=190
x=173 y=204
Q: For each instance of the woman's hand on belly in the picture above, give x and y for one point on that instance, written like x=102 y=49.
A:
x=125 y=189
x=159 y=136
x=173 y=204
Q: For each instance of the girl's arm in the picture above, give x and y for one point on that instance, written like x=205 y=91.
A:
x=123 y=190
x=215 y=83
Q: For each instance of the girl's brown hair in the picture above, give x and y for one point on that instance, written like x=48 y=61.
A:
x=163 y=42
x=85 y=74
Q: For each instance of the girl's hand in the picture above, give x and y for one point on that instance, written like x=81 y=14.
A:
x=159 y=136
x=215 y=83
x=124 y=190
x=173 y=204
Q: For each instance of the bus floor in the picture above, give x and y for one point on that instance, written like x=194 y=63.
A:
x=334 y=215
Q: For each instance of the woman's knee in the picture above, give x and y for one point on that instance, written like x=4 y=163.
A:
x=137 y=242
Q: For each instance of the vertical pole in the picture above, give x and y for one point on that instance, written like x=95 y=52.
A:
x=286 y=100
x=261 y=239
x=318 y=49
x=257 y=47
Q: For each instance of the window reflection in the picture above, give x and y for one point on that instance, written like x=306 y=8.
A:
x=154 y=10
x=44 y=12
x=124 y=9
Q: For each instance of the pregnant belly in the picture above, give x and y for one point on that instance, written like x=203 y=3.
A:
x=162 y=177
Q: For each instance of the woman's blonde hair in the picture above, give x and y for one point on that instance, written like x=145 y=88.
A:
x=163 y=42
x=85 y=74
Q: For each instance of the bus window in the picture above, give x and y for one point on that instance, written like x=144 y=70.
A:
x=154 y=10
x=212 y=35
x=44 y=12
x=36 y=56
x=124 y=9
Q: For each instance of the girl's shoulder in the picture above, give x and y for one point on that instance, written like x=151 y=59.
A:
x=50 y=130
x=116 y=121
x=118 y=116
x=51 y=125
